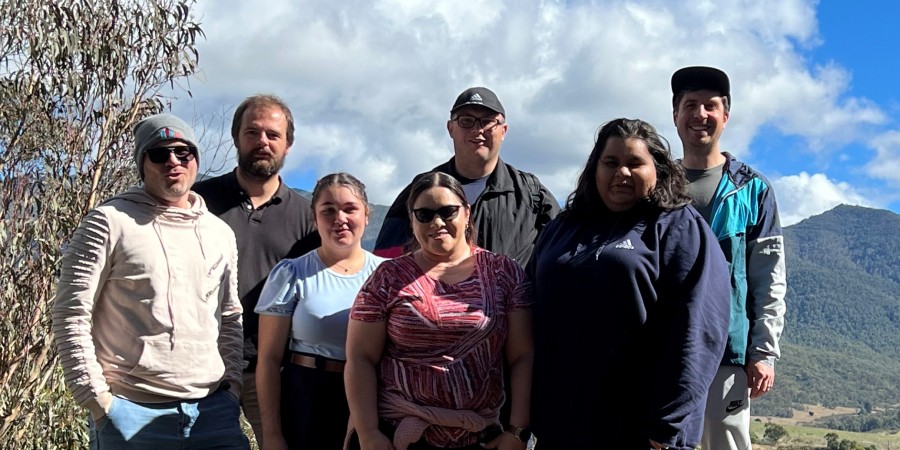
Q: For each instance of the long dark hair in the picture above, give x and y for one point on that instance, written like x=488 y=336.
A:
x=671 y=187
x=439 y=179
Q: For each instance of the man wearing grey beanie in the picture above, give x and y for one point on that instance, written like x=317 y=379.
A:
x=158 y=128
x=147 y=319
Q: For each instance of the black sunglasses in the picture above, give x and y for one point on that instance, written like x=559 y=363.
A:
x=161 y=154
x=426 y=215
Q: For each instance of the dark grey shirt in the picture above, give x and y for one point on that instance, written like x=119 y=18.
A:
x=283 y=227
x=702 y=184
x=473 y=188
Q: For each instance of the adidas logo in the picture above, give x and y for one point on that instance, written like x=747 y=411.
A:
x=626 y=244
x=475 y=98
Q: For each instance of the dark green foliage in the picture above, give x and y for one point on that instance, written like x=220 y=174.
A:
x=774 y=432
x=834 y=442
x=841 y=345
x=887 y=421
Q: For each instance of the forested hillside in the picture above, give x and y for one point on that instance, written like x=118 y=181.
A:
x=842 y=339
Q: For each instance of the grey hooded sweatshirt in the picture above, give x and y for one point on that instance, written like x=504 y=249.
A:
x=147 y=307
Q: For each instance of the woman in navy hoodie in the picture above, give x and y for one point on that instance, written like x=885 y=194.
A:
x=632 y=303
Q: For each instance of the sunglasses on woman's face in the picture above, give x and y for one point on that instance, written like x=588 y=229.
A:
x=447 y=213
x=160 y=155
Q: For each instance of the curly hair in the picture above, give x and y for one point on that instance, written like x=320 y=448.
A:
x=671 y=186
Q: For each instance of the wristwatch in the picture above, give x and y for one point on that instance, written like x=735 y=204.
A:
x=523 y=434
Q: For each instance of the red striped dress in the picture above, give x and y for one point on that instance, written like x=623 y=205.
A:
x=445 y=341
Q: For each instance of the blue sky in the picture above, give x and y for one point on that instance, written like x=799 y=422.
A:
x=816 y=101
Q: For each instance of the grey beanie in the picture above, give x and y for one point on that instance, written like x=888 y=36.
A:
x=157 y=128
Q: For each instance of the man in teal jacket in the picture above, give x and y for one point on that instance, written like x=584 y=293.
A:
x=739 y=204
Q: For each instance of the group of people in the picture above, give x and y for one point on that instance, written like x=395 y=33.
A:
x=645 y=314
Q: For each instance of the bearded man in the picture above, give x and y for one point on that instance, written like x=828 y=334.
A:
x=271 y=221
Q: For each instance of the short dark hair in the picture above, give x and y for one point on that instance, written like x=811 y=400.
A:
x=339 y=179
x=671 y=186
x=262 y=101
x=439 y=179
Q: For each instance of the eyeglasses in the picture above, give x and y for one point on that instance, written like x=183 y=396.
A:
x=160 y=155
x=484 y=123
x=426 y=215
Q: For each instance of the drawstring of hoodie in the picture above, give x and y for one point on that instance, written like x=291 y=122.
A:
x=199 y=238
x=169 y=299
x=164 y=214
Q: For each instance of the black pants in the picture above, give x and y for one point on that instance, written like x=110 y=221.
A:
x=314 y=410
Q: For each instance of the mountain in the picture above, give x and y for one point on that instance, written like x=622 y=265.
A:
x=841 y=344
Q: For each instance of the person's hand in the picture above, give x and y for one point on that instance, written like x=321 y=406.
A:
x=375 y=441
x=506 y=441
x=274 y=442
x=657 y=445
x=761 y=378
x=100 y=409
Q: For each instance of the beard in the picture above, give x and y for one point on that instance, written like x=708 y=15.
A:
x=260 y=168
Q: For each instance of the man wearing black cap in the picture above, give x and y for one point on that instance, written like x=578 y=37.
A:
x=740 y=206
x=510 y=206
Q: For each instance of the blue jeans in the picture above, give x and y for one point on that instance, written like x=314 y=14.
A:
x=212 y=422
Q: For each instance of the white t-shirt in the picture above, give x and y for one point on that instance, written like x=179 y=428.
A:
x=317 y=298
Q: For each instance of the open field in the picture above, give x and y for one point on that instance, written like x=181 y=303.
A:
x=804 y=417
x=801 y=434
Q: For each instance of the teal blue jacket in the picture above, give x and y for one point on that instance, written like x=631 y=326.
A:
x=745 y=220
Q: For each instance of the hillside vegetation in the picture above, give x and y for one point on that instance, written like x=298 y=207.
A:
x=842 y=338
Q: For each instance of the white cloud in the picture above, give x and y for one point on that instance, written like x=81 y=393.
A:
x=886 y=164
x=371 y=82
x=803 y=195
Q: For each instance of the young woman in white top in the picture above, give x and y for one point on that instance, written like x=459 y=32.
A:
x=305 y=303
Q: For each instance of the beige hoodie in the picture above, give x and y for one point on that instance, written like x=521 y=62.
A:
x=147 y=306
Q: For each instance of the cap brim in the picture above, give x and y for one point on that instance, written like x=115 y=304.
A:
x=463 y=105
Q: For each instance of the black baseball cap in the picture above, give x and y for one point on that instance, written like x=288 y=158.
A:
x=480 y=96
x=695 y=78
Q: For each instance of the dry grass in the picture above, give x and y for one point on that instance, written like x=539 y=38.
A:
x=802 y=417
x=801 y=434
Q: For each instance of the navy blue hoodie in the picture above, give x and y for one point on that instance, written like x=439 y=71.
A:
x=630 y=326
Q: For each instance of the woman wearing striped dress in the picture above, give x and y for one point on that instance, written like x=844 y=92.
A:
x=431 y=333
